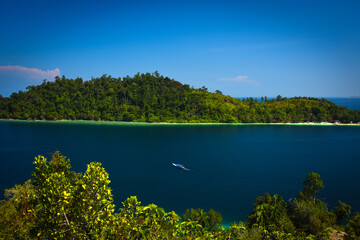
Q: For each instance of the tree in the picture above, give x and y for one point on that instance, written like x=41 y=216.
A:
x=308 y=214
x=215 y=219
x=342 y=211
x=210 y=220
x=145 y=222
x=310 y=217
x=271 y=214
x=17 y=212
x=71 y=205
x=353 y=229
x=204 y=89
x=312 y=185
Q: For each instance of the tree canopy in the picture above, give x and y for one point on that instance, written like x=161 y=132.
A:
x=155 y=98
x=58 y=203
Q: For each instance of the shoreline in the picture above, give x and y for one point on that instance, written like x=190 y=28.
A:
x=118 y=123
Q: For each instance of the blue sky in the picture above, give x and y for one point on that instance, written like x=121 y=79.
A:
x=243 y=48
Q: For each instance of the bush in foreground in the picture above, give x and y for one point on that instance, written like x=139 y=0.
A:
x=58 y=203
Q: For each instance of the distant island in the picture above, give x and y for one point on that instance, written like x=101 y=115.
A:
x=152 y=97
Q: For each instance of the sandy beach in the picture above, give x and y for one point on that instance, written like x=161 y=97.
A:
x=93 y=122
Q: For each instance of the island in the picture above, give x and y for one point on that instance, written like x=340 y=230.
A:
x=151 y=97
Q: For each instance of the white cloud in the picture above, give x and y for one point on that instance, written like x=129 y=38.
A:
x=15 y=78
x=31 y=73
x=241 y=79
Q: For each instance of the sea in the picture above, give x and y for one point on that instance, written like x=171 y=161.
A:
x=230 y=164
x=352 y=103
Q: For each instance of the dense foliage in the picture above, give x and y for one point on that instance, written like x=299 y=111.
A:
x=154 y=98
x=58 y=203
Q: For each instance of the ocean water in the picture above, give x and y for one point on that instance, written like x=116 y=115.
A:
x=230 y=164
x=349 y=103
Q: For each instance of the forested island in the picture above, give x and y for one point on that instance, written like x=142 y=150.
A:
x=58 y=203
x=155 y=98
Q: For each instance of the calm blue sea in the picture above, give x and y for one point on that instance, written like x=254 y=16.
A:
x=350 y=103
x=230 y=165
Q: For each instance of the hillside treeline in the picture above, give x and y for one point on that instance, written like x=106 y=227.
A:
x=58 y=203
x=155 y=98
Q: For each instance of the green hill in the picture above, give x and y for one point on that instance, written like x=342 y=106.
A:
x=155 y=98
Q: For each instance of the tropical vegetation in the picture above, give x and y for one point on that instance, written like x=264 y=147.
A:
x=58 y=203
x=155 y=98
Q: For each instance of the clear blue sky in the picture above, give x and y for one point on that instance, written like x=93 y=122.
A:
x=243 y=48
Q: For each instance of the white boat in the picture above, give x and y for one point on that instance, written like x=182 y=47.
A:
x=179 y=166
